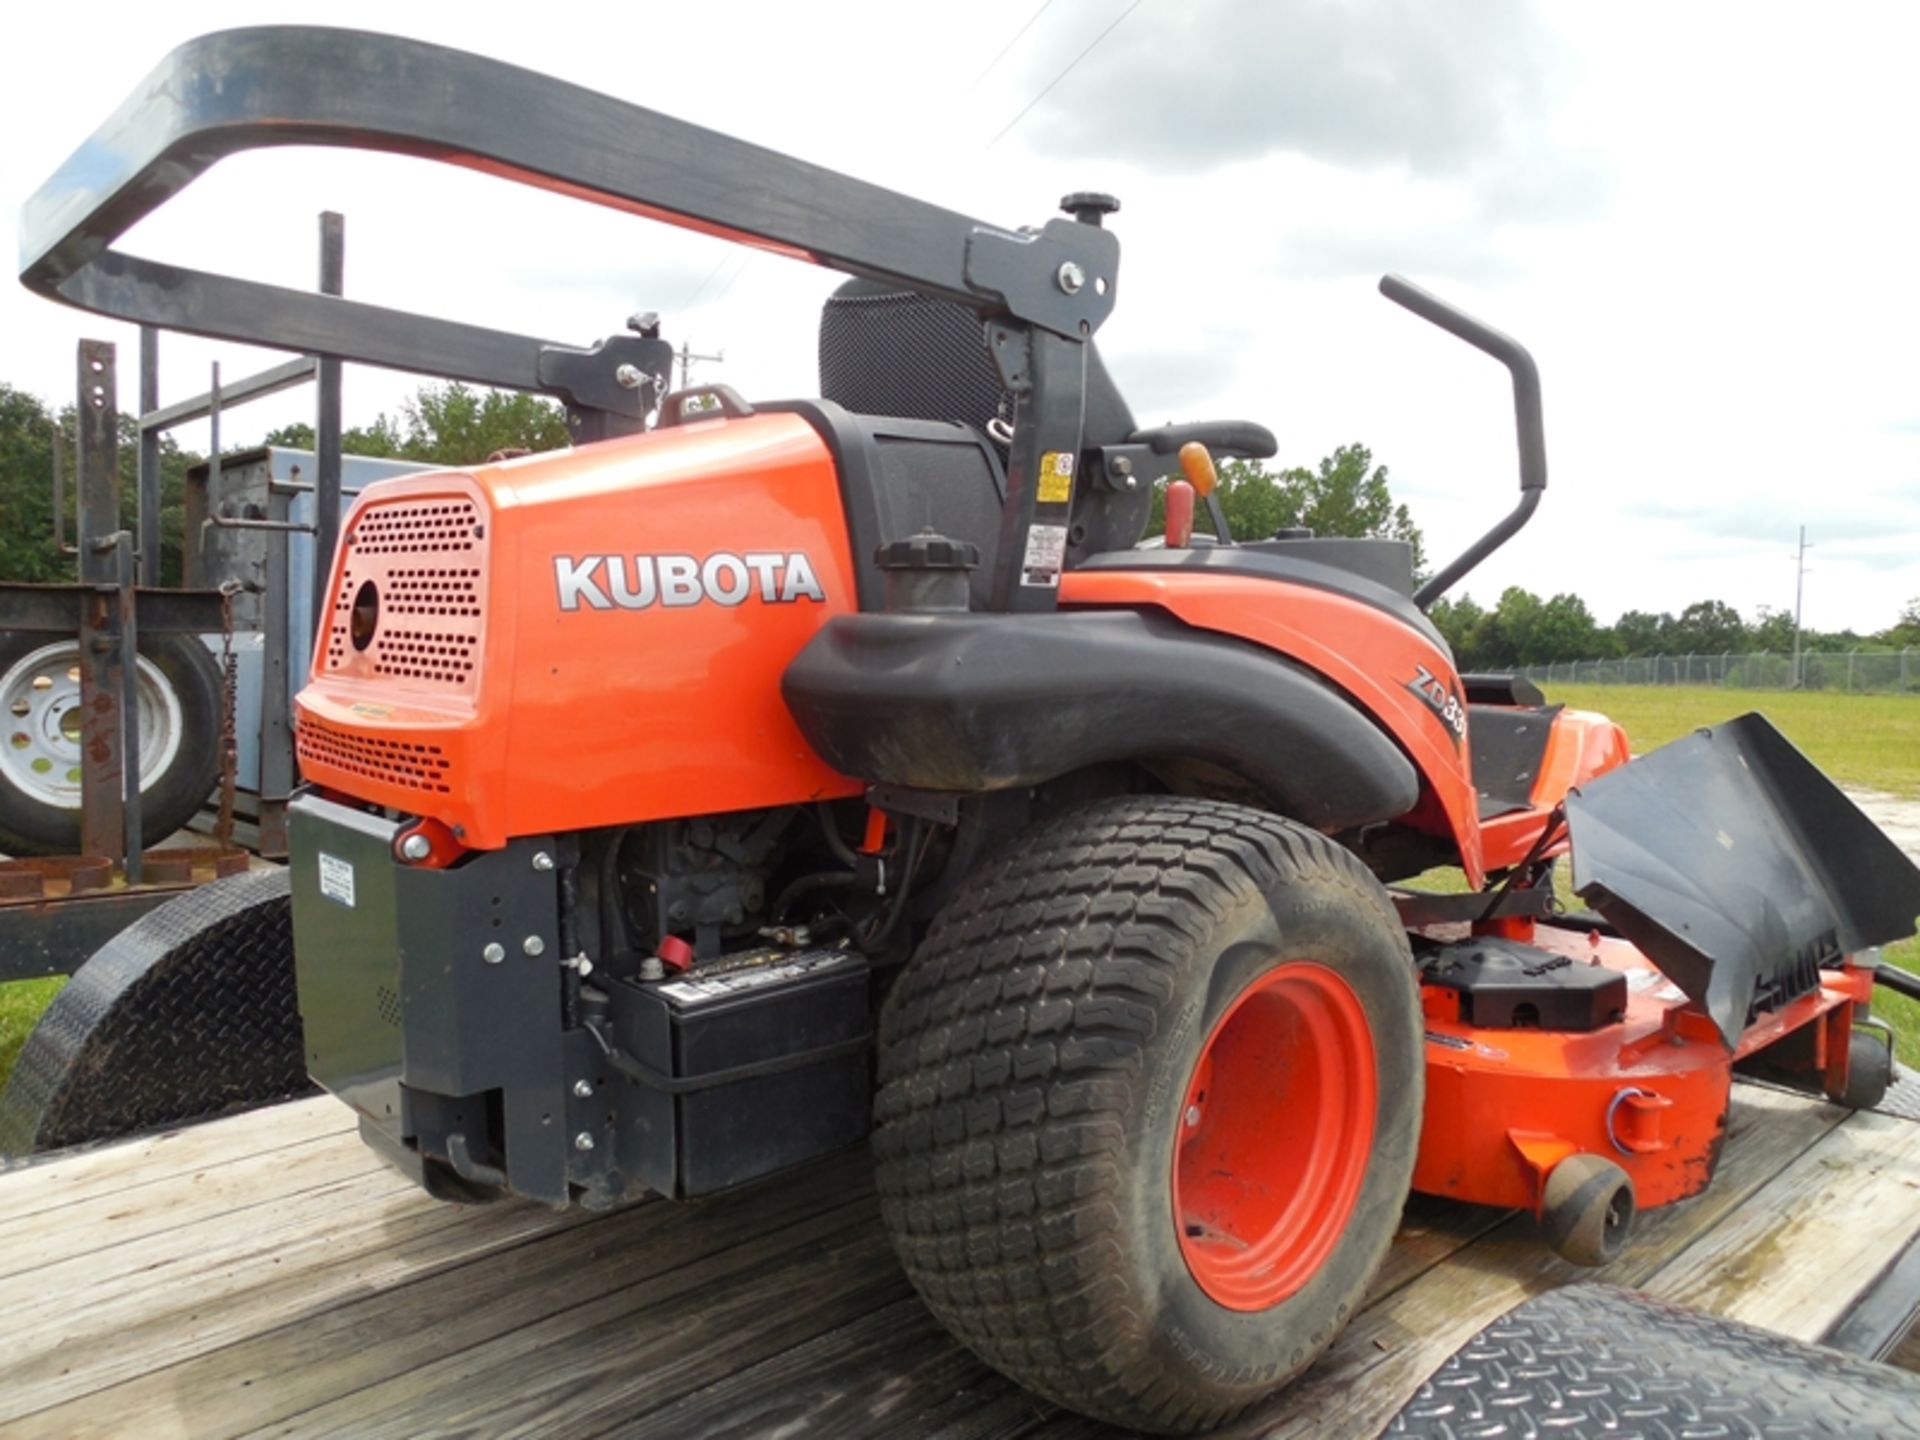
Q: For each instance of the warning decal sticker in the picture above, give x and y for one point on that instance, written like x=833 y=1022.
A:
x=1046 y=553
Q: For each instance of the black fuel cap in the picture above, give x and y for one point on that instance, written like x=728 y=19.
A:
x=927 y=551
x=927 y=573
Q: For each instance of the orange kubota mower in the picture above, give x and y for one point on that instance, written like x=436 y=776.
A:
x=755 y=778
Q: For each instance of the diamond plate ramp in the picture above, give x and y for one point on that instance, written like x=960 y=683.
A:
x=1589 y=1361
x=1903 y=1095
x=188 y=1012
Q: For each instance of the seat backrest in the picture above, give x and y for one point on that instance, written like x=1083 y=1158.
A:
x=886 y=351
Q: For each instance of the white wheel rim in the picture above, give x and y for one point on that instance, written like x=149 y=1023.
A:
x=40 y=708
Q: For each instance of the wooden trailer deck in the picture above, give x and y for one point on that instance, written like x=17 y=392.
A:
x=265 y=1275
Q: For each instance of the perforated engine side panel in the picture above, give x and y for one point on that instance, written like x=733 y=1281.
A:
x=1591 y=1361
x=187 y=1012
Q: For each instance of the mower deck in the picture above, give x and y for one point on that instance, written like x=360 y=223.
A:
x=268 y=1270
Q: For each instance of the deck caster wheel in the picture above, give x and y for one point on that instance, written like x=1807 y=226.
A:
x=1869 y=1070
x=1587 y=1209
x=1150 y=1096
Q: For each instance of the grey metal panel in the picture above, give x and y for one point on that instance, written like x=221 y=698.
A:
x=1737 y=866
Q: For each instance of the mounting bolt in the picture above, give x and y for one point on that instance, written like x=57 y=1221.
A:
x=629 y=377
x=542 y=861
x=583 y=1089
x=494 y=952
x=1193 y=1115
x=534 y=945
x=1070 y=277
x=583 y=1141
x=415 y=847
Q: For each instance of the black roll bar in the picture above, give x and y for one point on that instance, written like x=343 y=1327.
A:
x=1041 y=293
x=270 y=86
x=1529 y=425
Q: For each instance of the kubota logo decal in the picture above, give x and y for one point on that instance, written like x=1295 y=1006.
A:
x=633 y=582
x=1441 y=700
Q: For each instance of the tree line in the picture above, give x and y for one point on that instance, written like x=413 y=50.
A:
x=450 y=424
x=1524 y=629
x=1344 y=493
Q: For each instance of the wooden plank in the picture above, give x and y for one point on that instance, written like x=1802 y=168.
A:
x=894 y=1372
x=899 y=1372
x=1381 y=1358
x=257 y=1181
x=55 y=1181
x=341 y=1348
x=891 y=1372
x=352 y=1304
x=215 y=1292
x=1813 y=1238
x=594 y=1366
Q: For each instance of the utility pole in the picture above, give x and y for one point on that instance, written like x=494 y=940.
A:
x=1799 y=592
x=687 y=359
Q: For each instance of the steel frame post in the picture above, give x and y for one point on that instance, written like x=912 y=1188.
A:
x=276 y=700
x=148 y=517
x=102 y=672
x=326 y=429
x=1047 y=375
x=127 y=635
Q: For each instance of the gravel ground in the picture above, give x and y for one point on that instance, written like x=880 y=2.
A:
x=1899 y=818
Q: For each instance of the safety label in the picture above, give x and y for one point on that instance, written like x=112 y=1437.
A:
x=1055 y=485
x=696 y=990
x=1046 y=553
x=336 y=879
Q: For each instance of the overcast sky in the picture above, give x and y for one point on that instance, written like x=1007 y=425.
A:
x=1701 y=218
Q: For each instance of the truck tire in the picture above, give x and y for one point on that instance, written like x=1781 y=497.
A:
x=1149 y=1099
x=180 y=704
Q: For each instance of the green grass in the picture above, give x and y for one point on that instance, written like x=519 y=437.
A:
x=20 y=1007
x=1866 y=740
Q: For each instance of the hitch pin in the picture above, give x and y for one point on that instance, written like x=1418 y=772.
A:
x=579 y=963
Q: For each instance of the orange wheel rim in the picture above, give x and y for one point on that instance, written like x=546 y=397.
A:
x=1274 y=1136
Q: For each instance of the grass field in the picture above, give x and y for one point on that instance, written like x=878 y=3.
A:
x=20 y=1006
x=1865 y=740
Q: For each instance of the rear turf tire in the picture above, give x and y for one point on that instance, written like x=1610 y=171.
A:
x=1038 y=1062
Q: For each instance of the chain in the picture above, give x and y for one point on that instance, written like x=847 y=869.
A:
x=229 y=687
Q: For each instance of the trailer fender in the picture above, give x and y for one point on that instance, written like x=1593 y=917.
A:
x=969 y=702
x=187 y=1013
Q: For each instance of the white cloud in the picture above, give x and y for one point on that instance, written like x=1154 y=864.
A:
x=1699 y=216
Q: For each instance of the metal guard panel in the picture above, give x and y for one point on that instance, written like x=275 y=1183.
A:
x=299 y=85
x=1737 y=866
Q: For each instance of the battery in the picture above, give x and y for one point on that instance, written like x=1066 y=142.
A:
x=748 y=1064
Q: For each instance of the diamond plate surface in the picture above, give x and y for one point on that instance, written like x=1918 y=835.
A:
x=1589 y=1361
x=1903 y=1096
x=188 y=1012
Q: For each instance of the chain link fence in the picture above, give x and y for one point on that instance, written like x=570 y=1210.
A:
x=1881 y=672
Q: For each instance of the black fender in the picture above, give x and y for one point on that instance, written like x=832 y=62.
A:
x=973 y=702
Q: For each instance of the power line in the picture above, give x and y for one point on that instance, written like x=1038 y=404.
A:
x=1048 y=87
x=701 y=288
x=752 y=255
x=1045 y=4
x=1799 y=592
